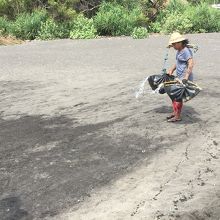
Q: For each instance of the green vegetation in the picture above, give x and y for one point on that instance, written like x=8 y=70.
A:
x=116 y=20
x=140 y=33
x=80 y=19
x=4 y=26
x=187 y=18
x=26 y=26
x=83 y=28
x=49 y=30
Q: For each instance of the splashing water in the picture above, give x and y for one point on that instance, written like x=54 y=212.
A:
x=140 y=90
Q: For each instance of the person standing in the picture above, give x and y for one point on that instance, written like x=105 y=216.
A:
x=183 y=67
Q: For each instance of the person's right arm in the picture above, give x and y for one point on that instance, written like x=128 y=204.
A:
x=171 y=70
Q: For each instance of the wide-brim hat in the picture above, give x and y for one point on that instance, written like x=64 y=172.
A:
x=175 y=38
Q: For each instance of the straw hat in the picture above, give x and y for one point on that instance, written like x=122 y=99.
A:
x=176 y=37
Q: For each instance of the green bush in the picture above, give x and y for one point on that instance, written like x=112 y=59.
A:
x=139 y=33
x=176 y=6
x=190 y=19
x=11 y=8
x=114 y=19
x=168 y=19
x=62 y=10
x=59 y=9
x=177 y=22
x=83 y=28
x=60 y=18
x=204 y=18
x=204 y=1
x=49 y=30
x=155 y=27
x=4 y=26
x=26 y=26
x=65 y=28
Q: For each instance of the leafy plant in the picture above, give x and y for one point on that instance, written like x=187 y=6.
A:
x=65 y=28
x=62 y=10
x=4 y=26
x=49 y=30
x=177 y=22
x=195 y=2
x=83 y=28
x=189 y=18
x=114 y=19
x=176 y=6
x=155 y=27
x=58 y=9
x=140 y=33
x=11 y=8
x=26 y=26
x=204 y=18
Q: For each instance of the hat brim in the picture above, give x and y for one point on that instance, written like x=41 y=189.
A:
x=176 y=41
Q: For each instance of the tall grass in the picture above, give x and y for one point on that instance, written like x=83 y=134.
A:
x=26 y=26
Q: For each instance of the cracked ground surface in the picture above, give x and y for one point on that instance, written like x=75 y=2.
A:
x=76 y=144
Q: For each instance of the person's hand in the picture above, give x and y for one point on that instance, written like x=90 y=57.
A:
x=179 y=80
x=170 y=72
x=184 y=81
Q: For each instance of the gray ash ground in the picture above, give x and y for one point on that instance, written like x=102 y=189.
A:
x=70 y=123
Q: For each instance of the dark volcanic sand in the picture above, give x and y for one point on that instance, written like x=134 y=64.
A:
x=70 y=123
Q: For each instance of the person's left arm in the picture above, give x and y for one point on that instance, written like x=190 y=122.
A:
x=189 y=68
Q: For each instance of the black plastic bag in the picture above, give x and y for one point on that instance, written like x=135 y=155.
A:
x=180 y=91
x=156 y=80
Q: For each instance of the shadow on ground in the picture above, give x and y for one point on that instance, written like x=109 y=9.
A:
x=54 y=163
x=189 y=114
x=10 y=209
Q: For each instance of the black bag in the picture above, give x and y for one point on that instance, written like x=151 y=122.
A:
x=156 y=80
x=178 y=91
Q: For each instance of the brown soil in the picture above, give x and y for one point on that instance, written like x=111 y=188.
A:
x=9 y=41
